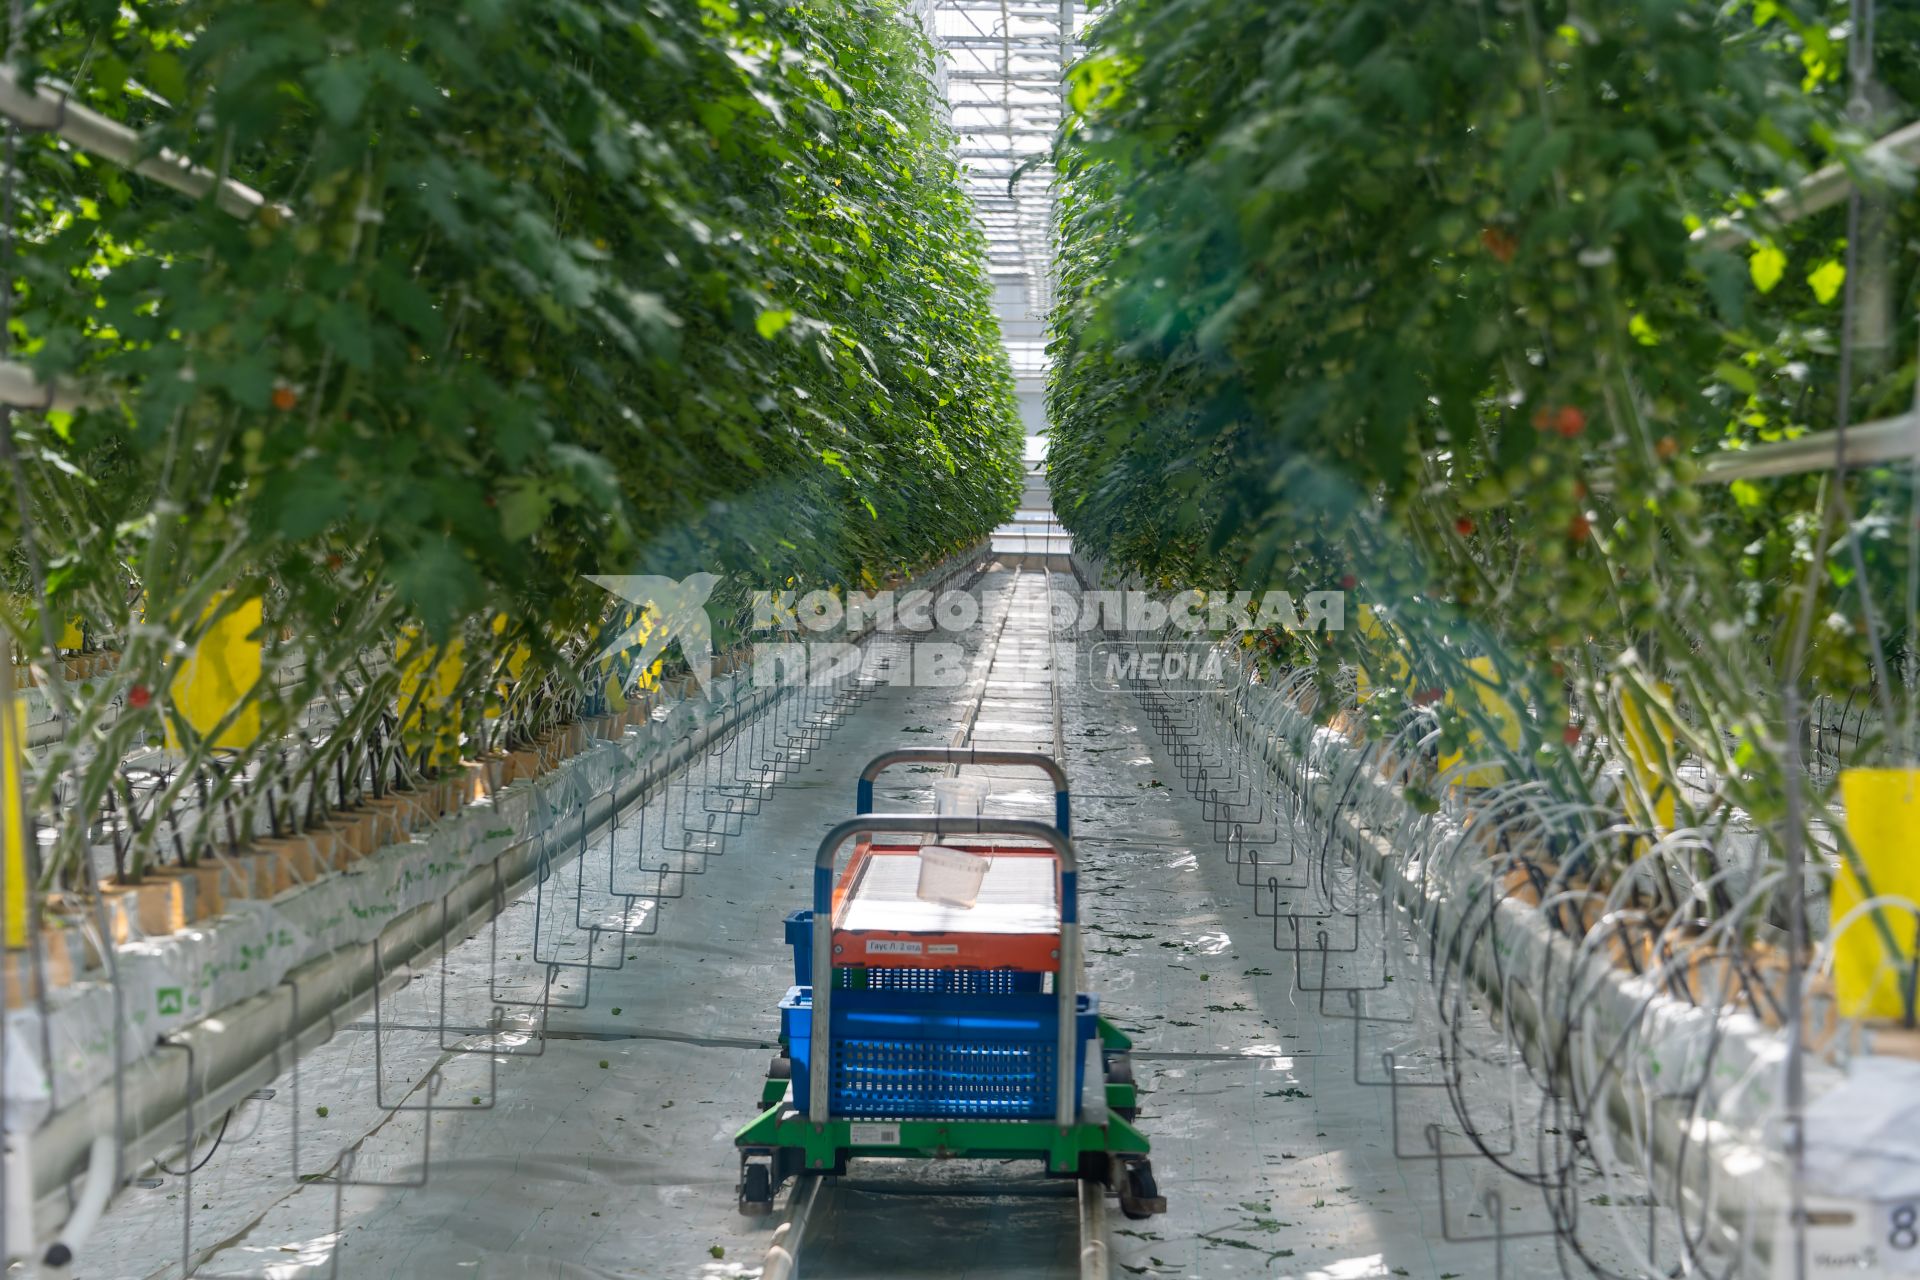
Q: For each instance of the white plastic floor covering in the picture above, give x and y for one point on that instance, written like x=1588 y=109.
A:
x=605 y=1150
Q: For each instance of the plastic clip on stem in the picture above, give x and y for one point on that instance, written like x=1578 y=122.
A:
x=1066 y=982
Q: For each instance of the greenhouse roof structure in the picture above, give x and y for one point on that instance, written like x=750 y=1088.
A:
x=1001 y=69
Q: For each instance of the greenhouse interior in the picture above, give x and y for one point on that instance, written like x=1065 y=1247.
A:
x=1301 y=618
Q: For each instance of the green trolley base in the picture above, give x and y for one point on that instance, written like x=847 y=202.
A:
x=821 y=1148
x=782 y=1143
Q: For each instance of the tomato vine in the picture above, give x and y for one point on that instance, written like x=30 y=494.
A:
x=1451 y=301
x=539 y=291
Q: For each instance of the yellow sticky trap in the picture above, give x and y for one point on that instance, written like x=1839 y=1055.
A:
x=13 y=812
x=71 y=637
x=1647 y=737
x=613 y=677
x=641 y=629
x=1506 y=719
x=516 y=666
x=1883 y=819
x=613 y=690
x=219 y=673
x=1385 y=643
x=432 y=719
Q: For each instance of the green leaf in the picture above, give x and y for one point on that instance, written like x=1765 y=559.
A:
x=345 y=329
x=769 y=323
x=1726 y=285
x=1539 y=162
x=438 y=583
x=340 y=86
x=591 y=472
x=1826 y=280
x=1736 y=376
x=248 y=379
x=1767 y=265
x=308 y=505
x=408 y=303
x=165 y=76
x=717 y=117
x=655 y=318
x=1093 y=79
x=523 y=509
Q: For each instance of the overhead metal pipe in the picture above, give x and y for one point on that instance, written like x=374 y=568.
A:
x=1821 y=189
x=43 y=108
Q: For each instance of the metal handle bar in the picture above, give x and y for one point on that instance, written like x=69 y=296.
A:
x=1062 y=814
x=1065 y=984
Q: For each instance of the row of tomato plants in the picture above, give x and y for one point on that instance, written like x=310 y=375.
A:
x=538 y=292
x=1445 y=303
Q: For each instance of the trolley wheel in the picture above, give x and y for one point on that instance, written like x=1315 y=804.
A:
x=1140 y=1196
x=781 y=1068
x=756 y=1189
x=1120 y=1071
x=1096 y=1166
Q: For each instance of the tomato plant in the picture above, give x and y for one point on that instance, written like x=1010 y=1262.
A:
x=1452 y=300
x=538 y=291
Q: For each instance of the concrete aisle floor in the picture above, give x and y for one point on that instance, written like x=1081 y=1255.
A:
x=605 y=1149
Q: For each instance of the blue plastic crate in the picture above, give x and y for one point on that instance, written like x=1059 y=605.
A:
x=933 y=981
x=911 y=1055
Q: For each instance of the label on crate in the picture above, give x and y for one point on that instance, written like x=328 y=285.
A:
x=874 y=1135
x=943 y=948
x=889 y=947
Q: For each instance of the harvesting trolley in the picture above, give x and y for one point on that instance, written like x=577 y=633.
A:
x=955 y=1033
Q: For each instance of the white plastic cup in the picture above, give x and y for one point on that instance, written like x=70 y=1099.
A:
x=959 y=797
x=950 y=876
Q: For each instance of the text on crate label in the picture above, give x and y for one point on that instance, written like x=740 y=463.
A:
x=888 y=947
